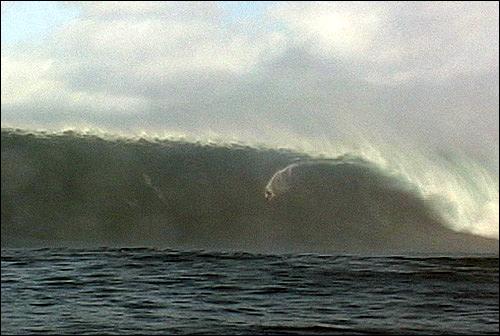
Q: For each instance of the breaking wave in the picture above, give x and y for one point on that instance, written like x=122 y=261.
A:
x=73 y=189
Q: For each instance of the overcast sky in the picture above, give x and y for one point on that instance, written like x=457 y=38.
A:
x=270 y=72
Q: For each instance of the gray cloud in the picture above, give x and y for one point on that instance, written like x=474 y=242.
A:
x=423 y=72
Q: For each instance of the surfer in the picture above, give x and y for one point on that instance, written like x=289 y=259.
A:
x=310 y=173
x=280 y=182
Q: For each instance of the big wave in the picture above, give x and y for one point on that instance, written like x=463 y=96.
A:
x=70 y=189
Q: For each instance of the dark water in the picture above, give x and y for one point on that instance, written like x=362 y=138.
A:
x=147 y=291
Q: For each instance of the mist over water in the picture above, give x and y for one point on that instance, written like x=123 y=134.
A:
x=72 y=189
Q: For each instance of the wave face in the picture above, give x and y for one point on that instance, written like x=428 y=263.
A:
x=80 y=190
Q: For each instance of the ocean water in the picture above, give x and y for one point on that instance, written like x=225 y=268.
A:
x=161 y=291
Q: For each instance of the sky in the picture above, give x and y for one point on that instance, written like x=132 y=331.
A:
x=272 y=72
x=31 y=21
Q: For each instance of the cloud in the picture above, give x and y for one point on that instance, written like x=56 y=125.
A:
x=391 y=43
x=158 y=38
x=424 y=71
x=339 y=29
